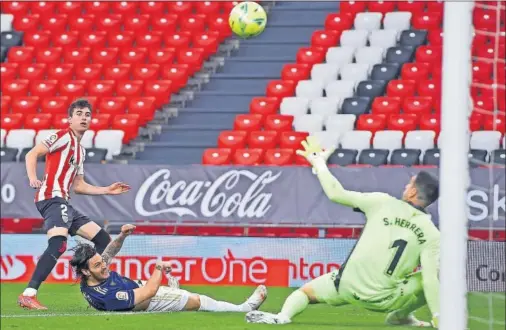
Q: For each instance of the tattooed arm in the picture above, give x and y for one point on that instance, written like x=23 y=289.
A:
x=113 y=248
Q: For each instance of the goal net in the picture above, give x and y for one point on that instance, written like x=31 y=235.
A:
x=473 y=65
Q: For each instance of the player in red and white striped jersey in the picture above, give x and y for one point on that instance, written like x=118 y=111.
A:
x=64 y=170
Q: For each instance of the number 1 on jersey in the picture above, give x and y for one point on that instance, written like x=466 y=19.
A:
x=400 y=245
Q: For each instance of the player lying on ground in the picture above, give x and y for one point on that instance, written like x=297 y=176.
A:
x=106 y=290
x=64 y=169
x=378 y=274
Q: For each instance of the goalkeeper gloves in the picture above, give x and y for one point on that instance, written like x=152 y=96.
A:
x=315 y=154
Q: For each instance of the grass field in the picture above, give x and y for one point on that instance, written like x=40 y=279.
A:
x=68 y=310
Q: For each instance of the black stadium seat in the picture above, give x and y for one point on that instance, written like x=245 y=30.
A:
x=413 y=38
x=8 y=154
x=374 y=157
x=356 y=105
x=385 y=71
x=498 y=157
x=401 y=55
x=343 y=157
x=405 y=157
x=371 y=88
x=11 y=38
x=95 y=155
x=431 y=157
x=477 y=157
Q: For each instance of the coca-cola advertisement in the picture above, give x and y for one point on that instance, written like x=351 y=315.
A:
x=242 y=195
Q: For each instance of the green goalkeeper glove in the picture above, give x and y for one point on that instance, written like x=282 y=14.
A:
x=315 y=154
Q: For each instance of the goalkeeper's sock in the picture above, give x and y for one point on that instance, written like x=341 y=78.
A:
x=208 y=304
x=294 y=304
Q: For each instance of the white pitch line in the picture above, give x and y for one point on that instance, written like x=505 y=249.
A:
x=12 y=316
x=500 y=296
x=486 y=321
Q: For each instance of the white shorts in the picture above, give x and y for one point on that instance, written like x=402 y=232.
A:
x=168 y=300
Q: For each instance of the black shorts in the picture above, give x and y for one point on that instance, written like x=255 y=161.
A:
x=57 y=212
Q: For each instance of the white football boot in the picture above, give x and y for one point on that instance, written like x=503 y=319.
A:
x=266 y=318
x=410 y=320
x=257 y=298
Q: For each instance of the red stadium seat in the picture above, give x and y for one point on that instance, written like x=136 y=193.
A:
x=145 y=71
x=123 y=39
x=280 y=123
x=9 y=71
x=43 y=88
x=489 y=52
x=133 y=55
x=427 y=21
x=82 y=23
x=220 y=24
x=11 y=121
x=384 y=105
x=208 y=41
x=215 y=156
x=89 y=72
x=50 y=56
x=194 y=57
x=415 y=71
x=482 y=72
x=414 y=7
x=38 y=39
x=180 y=39
x=475 y=121
x=17 y=87
x=26 y=23
x=151 y=39
x=417 y=105
x=161 y=56
x=247 y=157
x=128 y=124
x=248 y=122
x=280 y=88
x=402 y=122
x=292 y=140
x=74 y=89
x=136 y=23
x=25 y=105
x=60 y=121
x=181 y=8
x=55 y=23
x=401 y=88
x=435 y=6
x=70 y=8
x=144 y=107
x=279 y=157
x=495 y=123
x=207 y=7
x=101 y=88
x=371 y=123
x=61 y=72
x=43 y=8
x=166 y=23
x=429 y=54
x=352 y=7
x=311 y=55
x=435 y=37
x=263 y=140
x=381 y=6
x=194 y=23
x=177 y=74
x=5 y=104
x=20 y=55
x=125 y=8
x=38 y=121
x=112 y=105
x=430 y=88
x=97 y=8
x=152 y=7
x=295 y=72
x=109 y=23
x=301 y=161
x=32 y=71
x=483 y=103
x=93 y=39
x=77 y=56
x=160 y=89
x=325 y=38
x=15 y=7
x=129 y=88
x=54 y=105
x=232 y=139
x=100 y=121
x=105 y=56
x=117 y=71
x=264 y=105
x=485 y=19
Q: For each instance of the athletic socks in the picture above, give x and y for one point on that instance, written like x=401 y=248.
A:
x=208 y=304
x=294 y=304
x=30 y=292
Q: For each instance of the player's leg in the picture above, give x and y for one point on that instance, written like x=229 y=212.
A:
x=84 y=227
x=56 y=223
x=320 y=290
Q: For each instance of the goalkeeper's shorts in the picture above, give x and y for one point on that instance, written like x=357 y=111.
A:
x=168 y=298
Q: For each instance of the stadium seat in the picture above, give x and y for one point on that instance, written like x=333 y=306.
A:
x=357 y=140
x=369 y=55
x=112 y=105
x=248 y=122
x=340 y=123
x=280 y=88
x=401 y=88
x=62 y=72
x=371 y=123
x=44 y=88
x=129 y=88
x=340 y=55
x=429 y=88
x=38 y=121
x=20 y=138
x=430 y=121
x=160 y=89
x=87 y=139
x=263 y=140
x=369 y=21
x=373 y=157
x=177 y=74
x=429 y=54
x=354 y=72
x=14 y=88
x=325 y=106
x=247 y=157
x=338 y=21
x=8 y=154
x=485 y=140
x=328 y=139
x=427 y=21
x=292 y=140
x=385 y=71
x=11 y=38
x=310 y=55
x=9 y=71
x=402 y=122
x=73 y=89
x=356 y=105
x=279 y=157
x=415 y=71
x=477 y=157
x=354 y=38
x=417 y=105
x=264 y=105
x=383 y=38
x=111 y=140
x=42 y=134
x=325 y=72
x=232 y=140
x=12 y=121
x=398 y=21
x=128 y=123
x=278 y=123
x=308 y=123
x=144 y=107
x=162 y=56
x=389 y=140
x=296 y=71
x=325 y=38
x=498 y=157
x=25 y=104
x=32 y=71
x=495 y=123
x=400 y=55
x=6 y=22
x=343 y=157
x=431 y=157
x=421 y=140
x=340 y=88
x=382 y=7
x=384 y=105
x=294 y=105
x=405 y=157
x=413 y=38
x=217 y=157
x=309 y=89
x=371 y=88
x=70 y=8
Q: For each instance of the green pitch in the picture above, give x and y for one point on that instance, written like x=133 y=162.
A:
x=68 y=310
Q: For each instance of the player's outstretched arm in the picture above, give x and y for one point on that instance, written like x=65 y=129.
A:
x=31 y=163
x=82 y=187
x=429 y=260
x=153 y=284
x=115 y=246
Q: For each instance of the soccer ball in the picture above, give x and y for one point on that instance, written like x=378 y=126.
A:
x=247 y=19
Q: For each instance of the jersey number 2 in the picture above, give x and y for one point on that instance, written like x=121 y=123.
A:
x=400 y=246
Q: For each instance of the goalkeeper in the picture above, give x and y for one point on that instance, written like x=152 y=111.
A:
x=379 y=272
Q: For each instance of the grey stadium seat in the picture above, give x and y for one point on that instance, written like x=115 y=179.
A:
x=369 y=55
x=325 y=72
x=371 y=88
x=498 y=157
x=308 y=123
x=340 y=88
x=354 y=38
x=477 y=157
x=95 y=155
x=3 y=53
x=368 y=21
x=325 y=106
x=8 y=154
x=486 y=140
x=328 y=139
x=340 y=55
x=400 y=20
x=413 y=38
x=11 y=39
x=431 y=157
x=6 y=22
x=340 y=123
x=401 y=55
x=294 y=105
x=405 y=157
x=309 y=89
x=388 y=140
x=383 y=38
x=343 y=157
x=357 y=105
x=358 y=140
x=374 y=157
x=355 y=72
x=387 y=71
x=422 y=140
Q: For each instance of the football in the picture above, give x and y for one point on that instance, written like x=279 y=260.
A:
x=247 y=19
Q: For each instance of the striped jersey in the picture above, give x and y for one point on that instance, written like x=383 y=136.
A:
x=64 y=161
